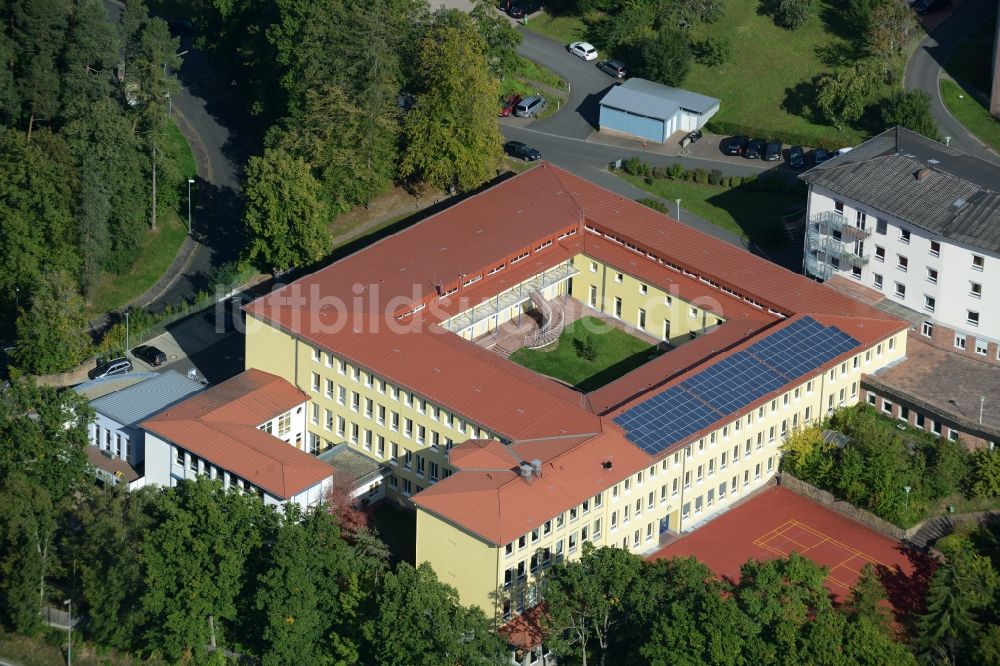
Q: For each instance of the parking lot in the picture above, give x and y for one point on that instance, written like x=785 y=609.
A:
x=194 y=343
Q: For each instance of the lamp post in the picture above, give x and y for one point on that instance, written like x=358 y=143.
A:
x=906 y=501
x=678 y=209
x=982 y=403
x=190 y=183
x=126 y=334
x=69 y=628
x=17 y=306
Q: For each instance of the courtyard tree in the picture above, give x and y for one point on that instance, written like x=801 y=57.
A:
x=452 y=138
x=499 y=38
x=286 y=214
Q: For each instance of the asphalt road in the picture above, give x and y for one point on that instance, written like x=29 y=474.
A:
x=924 y=68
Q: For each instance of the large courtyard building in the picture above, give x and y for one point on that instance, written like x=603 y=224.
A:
x=509 y=471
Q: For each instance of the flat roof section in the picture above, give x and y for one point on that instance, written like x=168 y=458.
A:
x=949 y=383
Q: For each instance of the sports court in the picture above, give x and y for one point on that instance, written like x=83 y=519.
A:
x=777 y=522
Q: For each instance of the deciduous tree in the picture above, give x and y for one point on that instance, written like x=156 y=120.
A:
x=52 y=331
x=286 y=214
x=842 y=97
x=452 y=137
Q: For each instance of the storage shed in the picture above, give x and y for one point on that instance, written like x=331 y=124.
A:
x=653 y=111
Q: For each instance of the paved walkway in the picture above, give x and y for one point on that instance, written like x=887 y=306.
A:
x=924 y=69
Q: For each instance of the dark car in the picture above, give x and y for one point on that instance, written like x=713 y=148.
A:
x=615 y=68
x=115 y=366
x=150 y=355
x=521 y=150
x=507 y=105
x=754 y=149
x=772 y=151
x=922 y=7
x=227 y=324
x=796 y=159
x=515 y=11
x=693 y=136
x=735 y=145
x=820 y=156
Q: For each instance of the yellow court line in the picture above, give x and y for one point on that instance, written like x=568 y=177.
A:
x=843 y=545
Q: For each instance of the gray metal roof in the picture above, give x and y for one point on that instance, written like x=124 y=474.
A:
x=958 y=197
x=140 y=401
x=655 y=100
x=354 y=464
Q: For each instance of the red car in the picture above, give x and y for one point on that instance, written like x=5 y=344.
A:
x=507 y=105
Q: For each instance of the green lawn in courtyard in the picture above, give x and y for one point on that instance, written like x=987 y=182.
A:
x=616 y=353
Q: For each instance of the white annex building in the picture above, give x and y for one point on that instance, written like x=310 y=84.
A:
x=919 y=223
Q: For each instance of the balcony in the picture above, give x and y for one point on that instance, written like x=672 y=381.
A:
x=830 y=221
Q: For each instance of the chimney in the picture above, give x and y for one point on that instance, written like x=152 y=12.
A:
x=536 y=466
x=922 y=174
x=526 y=470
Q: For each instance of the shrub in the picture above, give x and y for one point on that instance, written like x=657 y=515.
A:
x=660 y=173
x=986 y=473
x=648 y=180
x=735 y=181
x=655 y=204
x=632 y=166
x=713 y=51
x=700 y=176
x=675 y=171
x=585 y=348
x=714 y=177
x=787 y=14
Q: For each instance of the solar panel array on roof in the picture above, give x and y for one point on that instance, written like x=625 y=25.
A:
x=733 y=383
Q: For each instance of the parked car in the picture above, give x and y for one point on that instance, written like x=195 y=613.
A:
x=735 y=145
x=922 y=7
x=820 y=156
x=754 y=149
x=615 y=68
x=228 y=322
x=841 y=151
x=772 y=151
x=691 y=137
x=529 y=106
x=515 y=11
x=522 y=151
x=583 y=50
x=150 y=355
x=116 y=366
x=507 y=105
x=796 y=159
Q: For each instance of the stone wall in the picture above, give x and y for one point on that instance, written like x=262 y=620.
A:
x=800 y=487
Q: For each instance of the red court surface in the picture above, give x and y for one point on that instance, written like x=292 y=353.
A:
x=777 y=522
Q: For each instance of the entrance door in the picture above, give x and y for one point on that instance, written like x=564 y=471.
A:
x=664 y=524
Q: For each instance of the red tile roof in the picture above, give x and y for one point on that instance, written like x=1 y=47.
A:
x=220 y=425
x=525 y=631
x=499 y=505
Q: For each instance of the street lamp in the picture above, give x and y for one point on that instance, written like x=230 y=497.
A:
x=69 y=628
x=678 y=209
x=190 y=183
x=127 y=346
x=906 y=502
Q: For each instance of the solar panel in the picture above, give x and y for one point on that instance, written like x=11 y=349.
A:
x=736 y=381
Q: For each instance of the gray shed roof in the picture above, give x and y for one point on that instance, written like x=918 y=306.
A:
x=958 y=196
x=354 y=464
x=140 y=401
x=655 y=100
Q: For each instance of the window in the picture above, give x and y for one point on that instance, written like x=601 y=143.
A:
x=972 y=318
x=929 y=303
x=856 y=272
x=975 y=290
x=341 y=426
x=619 y=277
x=618 y=307
x=674 y=487
x=593 y=296
x=642 y=318
x=315 y=413
x=643 y=289
x=839 y=206
x=179 y=457
x=900 y=290
x=879 y=253
x=902 y=263
x=329 y=389
x=981 y=347
x=904 y=236
x=593 y=267
x=932 y=275
x=693 y=313
x=935 y=249
x=355 y=401
x=977 y=262
x=317 y=354
x=887 y=406
x=881 y=227
x=341 y=395
x=284 y=423
x=315 y=382
x=877 y=280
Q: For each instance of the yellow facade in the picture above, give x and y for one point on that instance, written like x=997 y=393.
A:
x=412 y=435
x=646 y=307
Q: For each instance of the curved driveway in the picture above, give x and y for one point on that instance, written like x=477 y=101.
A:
x=924 y=69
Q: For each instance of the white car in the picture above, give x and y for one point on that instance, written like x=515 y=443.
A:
x=583 y=50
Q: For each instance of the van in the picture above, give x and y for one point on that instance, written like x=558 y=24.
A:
x=529 y=106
